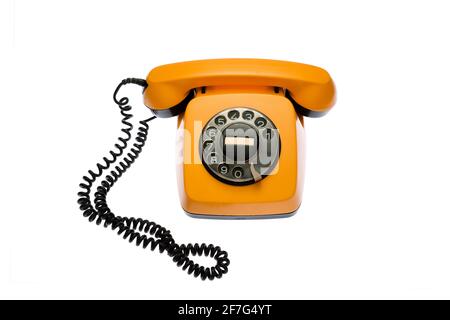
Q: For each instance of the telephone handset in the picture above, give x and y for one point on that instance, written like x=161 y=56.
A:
x=309 y=88
x=241 y=137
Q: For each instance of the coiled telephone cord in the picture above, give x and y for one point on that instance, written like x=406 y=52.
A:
x=141 y=232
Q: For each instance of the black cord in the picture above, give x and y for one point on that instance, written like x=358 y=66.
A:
x=143 y=233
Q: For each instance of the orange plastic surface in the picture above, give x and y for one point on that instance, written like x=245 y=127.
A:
x=277 y=194
x=310 y=86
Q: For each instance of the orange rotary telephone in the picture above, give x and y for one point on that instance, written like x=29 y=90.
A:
x=241 y=134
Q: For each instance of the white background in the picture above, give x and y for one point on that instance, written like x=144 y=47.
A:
x=376 y=215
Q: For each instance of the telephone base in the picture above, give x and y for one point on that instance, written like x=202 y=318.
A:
x=241 y=217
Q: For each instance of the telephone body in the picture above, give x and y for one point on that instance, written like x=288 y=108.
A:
x=258 y=97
